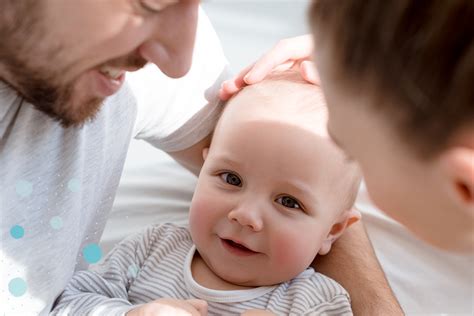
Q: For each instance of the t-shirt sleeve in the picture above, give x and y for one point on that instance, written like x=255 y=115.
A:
x=174 y=114
x=316 y=294
x=340 y=305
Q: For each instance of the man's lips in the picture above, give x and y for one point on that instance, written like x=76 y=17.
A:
x=104 y=85
x=107 y=80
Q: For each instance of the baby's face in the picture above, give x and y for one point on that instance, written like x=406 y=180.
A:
x=266 y=198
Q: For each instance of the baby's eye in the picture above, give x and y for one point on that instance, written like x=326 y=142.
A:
x=231 y=178
x=289 y=202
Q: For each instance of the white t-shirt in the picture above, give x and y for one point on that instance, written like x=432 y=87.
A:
x=57 y=185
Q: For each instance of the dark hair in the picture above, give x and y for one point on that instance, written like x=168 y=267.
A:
x=417 y=57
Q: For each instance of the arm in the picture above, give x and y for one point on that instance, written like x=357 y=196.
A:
x=191 y=158
x=105 y=291
x=352 y=263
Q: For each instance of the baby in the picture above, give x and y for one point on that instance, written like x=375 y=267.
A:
x=273 y=193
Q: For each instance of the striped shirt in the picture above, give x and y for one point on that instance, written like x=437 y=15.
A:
x=157 y=264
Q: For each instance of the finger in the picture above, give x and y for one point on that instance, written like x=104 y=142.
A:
x=224 y=95
x=309 y=72
x=228 y=89
x=285 y=66
x=200 y=305
x=239 y=79
x=283 y=56
x=231 y=86
x=288 y=49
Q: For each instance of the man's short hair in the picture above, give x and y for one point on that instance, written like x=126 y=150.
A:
x=415 y=56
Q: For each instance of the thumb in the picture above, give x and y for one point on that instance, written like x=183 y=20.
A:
x=309 y=72
x=200 y=305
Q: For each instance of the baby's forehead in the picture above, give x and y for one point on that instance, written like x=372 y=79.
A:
x=298 y=103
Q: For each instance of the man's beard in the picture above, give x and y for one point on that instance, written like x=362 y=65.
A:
x=58 y=102
x=63 y=103
x=28 y=68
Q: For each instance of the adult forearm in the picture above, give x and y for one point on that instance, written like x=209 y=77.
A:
x=352 y=263
x=191 y=158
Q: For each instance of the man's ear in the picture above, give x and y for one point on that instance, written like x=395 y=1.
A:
x=345 y=220
x=457 y=165
x=205 y=151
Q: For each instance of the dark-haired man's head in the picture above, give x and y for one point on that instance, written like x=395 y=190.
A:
x=397 y=76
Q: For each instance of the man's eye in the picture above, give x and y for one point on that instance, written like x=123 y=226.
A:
x=231 y=179
x=289 y=202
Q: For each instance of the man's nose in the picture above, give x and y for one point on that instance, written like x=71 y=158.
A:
x=249 y=217
x=171 y=43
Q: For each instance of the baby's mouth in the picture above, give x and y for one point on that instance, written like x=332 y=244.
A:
x=234 y=244
x=237 y=248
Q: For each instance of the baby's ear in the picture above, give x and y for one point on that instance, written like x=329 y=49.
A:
x=346 y=219
x=205 y=151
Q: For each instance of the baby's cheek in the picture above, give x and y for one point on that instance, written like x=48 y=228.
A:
x=291 y=254
x=198 y=216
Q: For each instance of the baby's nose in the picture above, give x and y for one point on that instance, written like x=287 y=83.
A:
x=247 y=217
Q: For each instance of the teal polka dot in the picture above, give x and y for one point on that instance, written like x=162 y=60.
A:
x=92 y=253
x=132 y=271
x=23 y=188
x=17 y=287
x=74 y=185
x=56 y=222
x=17 y=231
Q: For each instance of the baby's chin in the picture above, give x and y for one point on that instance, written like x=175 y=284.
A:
x=247 y=281
x=255 y=279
